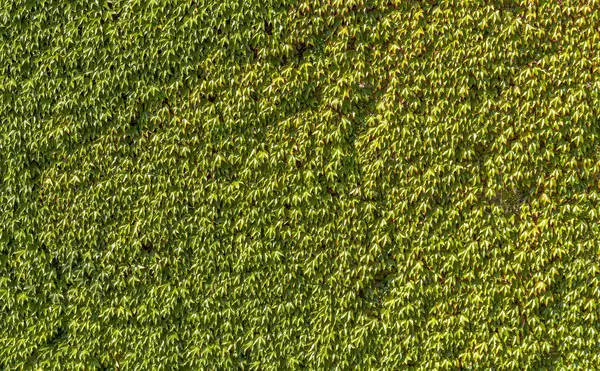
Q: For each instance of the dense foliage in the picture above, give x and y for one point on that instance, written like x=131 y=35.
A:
x=292 y=184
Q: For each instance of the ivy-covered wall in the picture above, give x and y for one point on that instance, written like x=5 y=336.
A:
x=299 y=184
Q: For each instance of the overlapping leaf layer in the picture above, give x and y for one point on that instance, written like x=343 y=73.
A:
x=272 y=185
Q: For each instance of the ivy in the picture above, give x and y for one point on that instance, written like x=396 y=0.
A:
x=267 y=185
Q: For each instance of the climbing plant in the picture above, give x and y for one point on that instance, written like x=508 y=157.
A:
x=299 y=184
